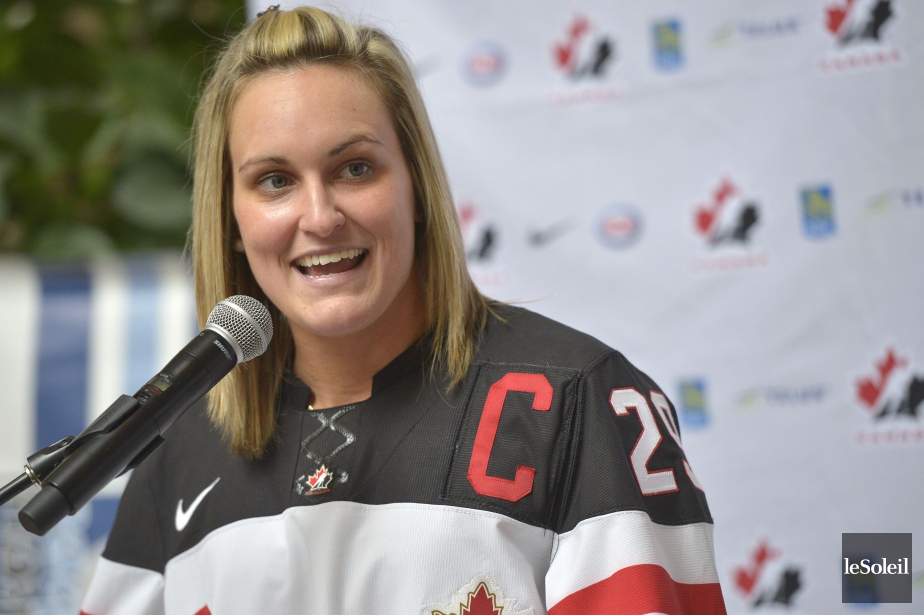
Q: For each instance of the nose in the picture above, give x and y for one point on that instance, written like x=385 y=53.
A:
x=319 y=214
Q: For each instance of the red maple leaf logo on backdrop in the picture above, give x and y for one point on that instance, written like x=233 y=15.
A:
x=467 y=213
x=706 y=215
x=566 y=53
x=836 y=15
x=746 y=577
x=870 y=389
x=480 y=602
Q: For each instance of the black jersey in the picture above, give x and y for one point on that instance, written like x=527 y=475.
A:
x=552 y=479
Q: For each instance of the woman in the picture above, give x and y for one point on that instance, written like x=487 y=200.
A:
x=403 y=446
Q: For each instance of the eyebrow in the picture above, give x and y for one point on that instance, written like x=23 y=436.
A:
x=273 y=159
x=360 y=138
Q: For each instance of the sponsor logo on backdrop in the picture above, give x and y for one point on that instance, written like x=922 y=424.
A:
x=481 y=237
x=818 y=211
x=541 y=237
x=667 y=44
x=767 y=579
x=891 y=394
x=618 y=226
x=585 y=55
x=694 y=413
x=726 y=224
x=895 y=199
x=782 y=397
x=484 y=63
x=756 y=30
x=858 y=29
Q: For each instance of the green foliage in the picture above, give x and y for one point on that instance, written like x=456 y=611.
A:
x=96 y=102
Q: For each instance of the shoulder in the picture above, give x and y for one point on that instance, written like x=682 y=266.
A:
x=517 y=335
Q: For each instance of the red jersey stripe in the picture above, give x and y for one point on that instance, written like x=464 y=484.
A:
x=643 y=589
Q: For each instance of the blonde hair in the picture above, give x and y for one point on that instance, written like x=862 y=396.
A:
x=243 y=405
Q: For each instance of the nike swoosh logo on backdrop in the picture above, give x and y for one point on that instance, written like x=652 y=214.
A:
x=539 y=238
x=183 y=517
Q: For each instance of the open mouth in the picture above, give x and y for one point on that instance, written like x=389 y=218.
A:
x=326 y=265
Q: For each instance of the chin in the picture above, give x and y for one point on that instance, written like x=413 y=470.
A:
x=339 y=323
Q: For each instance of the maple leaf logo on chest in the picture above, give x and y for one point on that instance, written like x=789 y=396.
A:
x=482 y=596
x=319 y=481
x=480 y=602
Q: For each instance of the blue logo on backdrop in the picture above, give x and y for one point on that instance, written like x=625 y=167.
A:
x=618 y=226
x=484 y=63
x=668 y=44
x=818 y=211
x=693 y=413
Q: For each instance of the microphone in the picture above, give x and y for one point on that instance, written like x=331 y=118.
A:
x=74 y=470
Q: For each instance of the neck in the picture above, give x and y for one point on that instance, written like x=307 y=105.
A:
x=339 y=370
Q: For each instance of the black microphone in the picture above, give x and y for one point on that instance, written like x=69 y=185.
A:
x=74 y=470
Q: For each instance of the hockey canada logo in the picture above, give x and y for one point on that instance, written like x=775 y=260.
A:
x=584 y=52
x=478 y=235
x=728 y=219
x=319 y=482
x=481 y=596
x=481 y=237
x=858 y=28
x=765 y=580
x=585 y=56
x=893 y=397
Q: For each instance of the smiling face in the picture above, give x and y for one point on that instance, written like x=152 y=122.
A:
x=324 y=202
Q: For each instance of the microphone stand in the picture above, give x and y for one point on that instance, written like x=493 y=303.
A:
x=14 y=488
x=41 y=464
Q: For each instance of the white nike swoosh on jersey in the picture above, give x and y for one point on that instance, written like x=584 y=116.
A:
x=183 y=517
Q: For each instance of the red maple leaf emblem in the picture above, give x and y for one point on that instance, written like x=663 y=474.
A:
x=746 y=577
x=706 y=215
x=870 y=389
x=480 y=602
x=319 y=479
x=836 y=15
x=566 y=53
x=204 y=611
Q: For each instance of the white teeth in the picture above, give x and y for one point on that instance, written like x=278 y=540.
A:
x=323 y=259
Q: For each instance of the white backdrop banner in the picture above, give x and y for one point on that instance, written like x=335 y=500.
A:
x=731 y=193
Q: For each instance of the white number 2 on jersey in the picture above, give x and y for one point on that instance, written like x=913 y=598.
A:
x=660 y=481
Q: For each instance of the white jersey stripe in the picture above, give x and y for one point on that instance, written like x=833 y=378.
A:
x=388 y=559
x=598 y=547
x=118 y=589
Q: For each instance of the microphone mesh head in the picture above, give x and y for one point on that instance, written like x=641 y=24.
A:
x=248 y=322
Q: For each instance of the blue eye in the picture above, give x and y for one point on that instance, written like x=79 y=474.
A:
x=356 y=169
x=274 y=182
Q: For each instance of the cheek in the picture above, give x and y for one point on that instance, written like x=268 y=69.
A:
x=261 y=229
